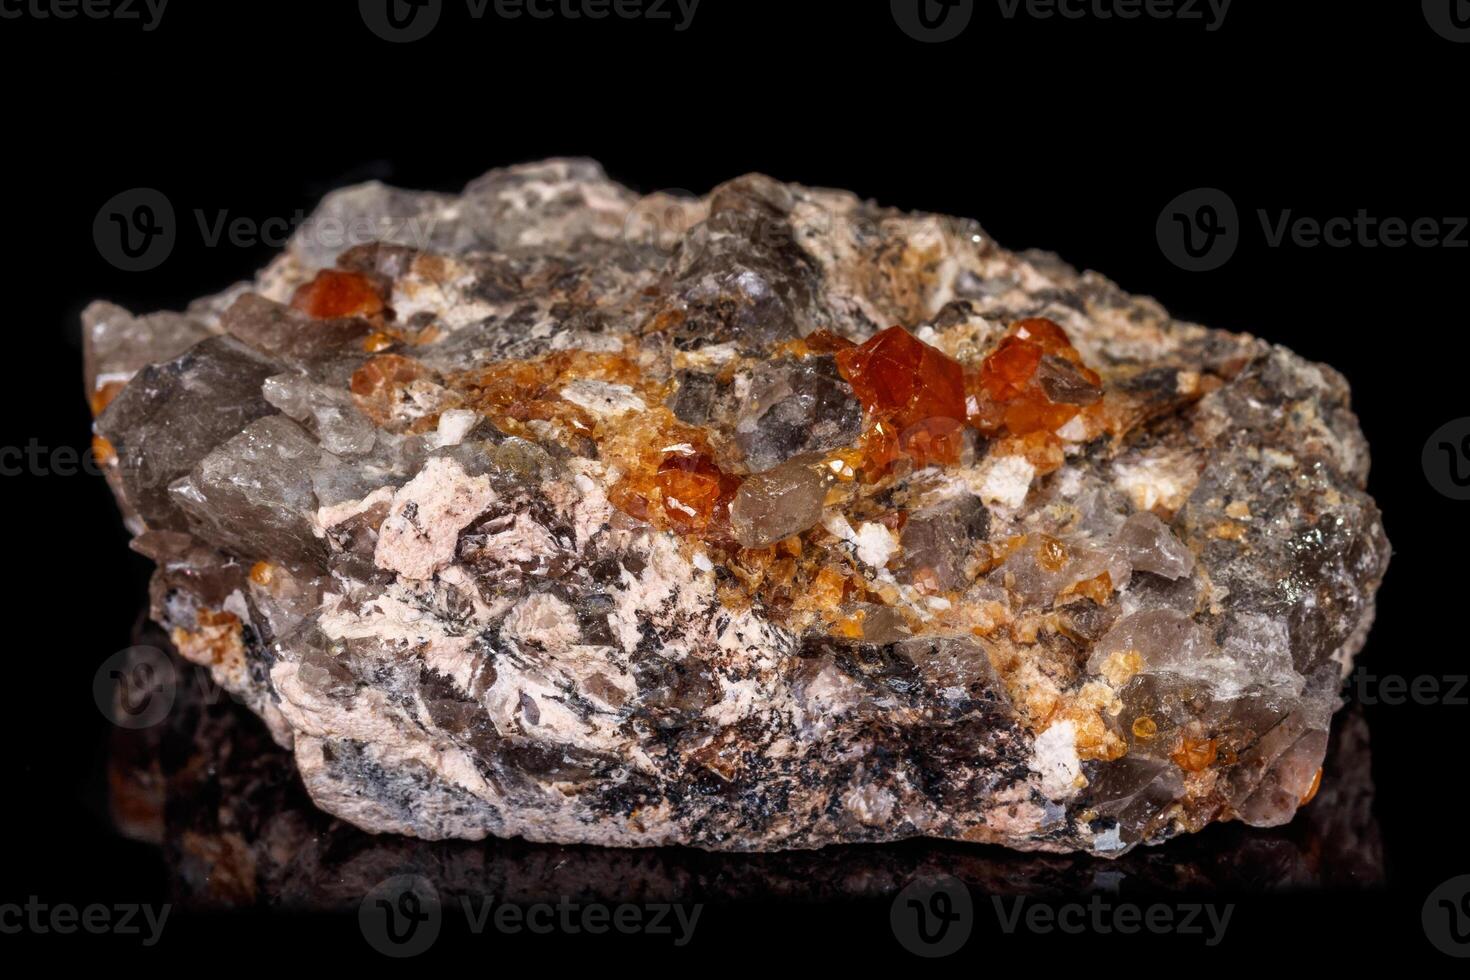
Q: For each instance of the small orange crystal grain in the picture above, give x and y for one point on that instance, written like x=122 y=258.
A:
x=899 y=376
x=693 y=490
x=1195 y=755
x=334 y=293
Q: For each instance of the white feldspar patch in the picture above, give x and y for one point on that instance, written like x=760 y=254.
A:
x=543 y=618
x=597 y=343
x=603 y=398
x=1006 y=481
x=454 y=425
x=875 y=544
x=669 y=593
x=1157 y=481
x=329 y=517
x=1074 y=431
x=1056 y=760
x=423 y=524
x=871 y=805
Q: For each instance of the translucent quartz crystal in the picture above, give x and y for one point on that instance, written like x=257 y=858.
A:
x=253 y=494
x=172 y=414
x=330 y=413
x=796 y=406
x=939 y=540
x=778 y=503
x=1147 y=544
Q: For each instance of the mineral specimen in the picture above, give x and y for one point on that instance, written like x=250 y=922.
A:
x=806 y=522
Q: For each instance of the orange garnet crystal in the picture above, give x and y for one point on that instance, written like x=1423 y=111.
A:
x=334 y=293
x=694 y=491
x=1035 y=381
x=897 y=376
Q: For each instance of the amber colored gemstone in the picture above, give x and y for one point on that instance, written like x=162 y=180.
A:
x=104 y=395
x=881 y=448
x=103 y=451
x=1006 y=392
x=694 y=491
x=1051 y=553
x=899 y=376
x=934 y=442
x=1311 y=792
x=334 y=293
x=378 y=341
x=262 y=573
x=1042 y=332
x=1194 y=755
x=1144 y=728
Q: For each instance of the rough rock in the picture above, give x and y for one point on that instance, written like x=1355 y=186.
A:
x=803 y=522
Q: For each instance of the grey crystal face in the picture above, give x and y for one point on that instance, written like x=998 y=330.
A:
x=795 y=407
x=174 y=413
x=252 y=496
x=466 y=609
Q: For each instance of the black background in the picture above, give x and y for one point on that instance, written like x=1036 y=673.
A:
x=1066 y=135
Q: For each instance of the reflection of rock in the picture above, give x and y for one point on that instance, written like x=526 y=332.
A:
x=237 y=829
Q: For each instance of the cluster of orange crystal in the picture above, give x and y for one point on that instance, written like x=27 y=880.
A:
x=693 y=490
x=335 y=293
x=1005 y=393
x=913 y=395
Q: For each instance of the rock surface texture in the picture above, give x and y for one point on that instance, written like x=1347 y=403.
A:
x=766 y=520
